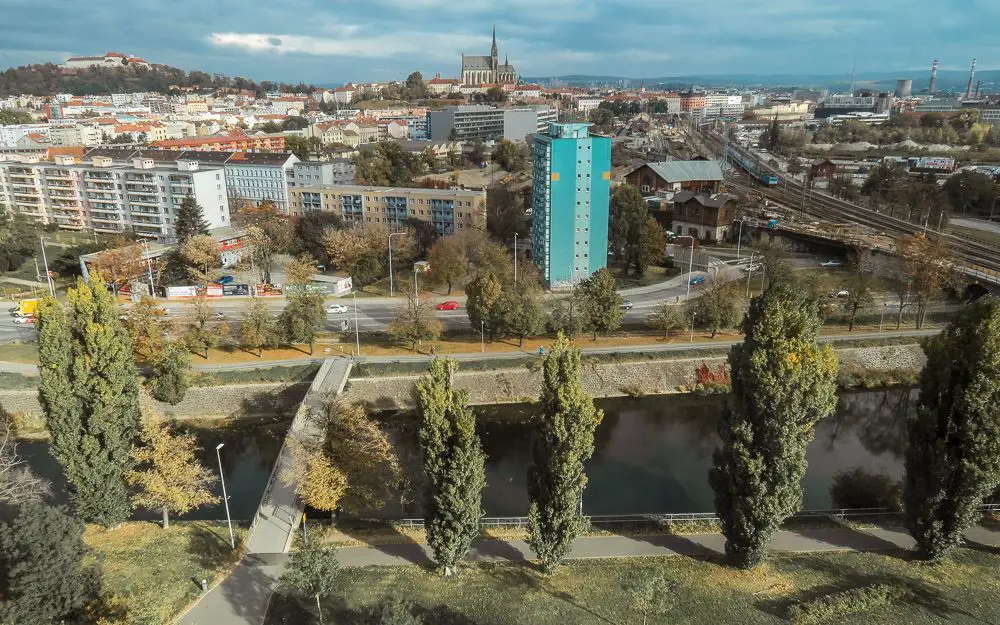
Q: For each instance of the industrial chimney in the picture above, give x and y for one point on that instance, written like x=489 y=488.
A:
x=932 y=87
x=972 y=77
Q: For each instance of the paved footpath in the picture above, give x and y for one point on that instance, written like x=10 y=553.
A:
x=242 y=598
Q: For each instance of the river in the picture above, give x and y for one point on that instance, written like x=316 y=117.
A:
x=653 y=453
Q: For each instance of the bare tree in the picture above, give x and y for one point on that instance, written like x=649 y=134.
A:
x=17 y=483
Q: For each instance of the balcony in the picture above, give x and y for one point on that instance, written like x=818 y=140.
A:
x=99 y=228
x=108 y=220
x=63 y=195
x=142 y=201
x=181 y=190
x=59 y=176
x=93 y=175
x=59 y=184
x=140 y=188
x=145 y=221
x=136 y=211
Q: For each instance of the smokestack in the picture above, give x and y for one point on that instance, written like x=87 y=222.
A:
x=979 y=84
x=972 y=77
x=932 y=87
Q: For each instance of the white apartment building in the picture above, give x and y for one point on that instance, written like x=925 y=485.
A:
x=315 y=173
x=106 y=194
x=10 y=135
x=75 y=134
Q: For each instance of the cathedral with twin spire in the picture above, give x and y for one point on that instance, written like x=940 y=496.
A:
x=487 y=70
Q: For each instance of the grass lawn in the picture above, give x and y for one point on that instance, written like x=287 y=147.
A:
x=157 y=568
x=961 y=590
x=19 y=352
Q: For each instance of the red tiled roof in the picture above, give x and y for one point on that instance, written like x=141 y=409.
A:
x=85 y=58
x=117 y=55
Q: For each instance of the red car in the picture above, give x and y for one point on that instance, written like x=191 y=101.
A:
x=449 y=305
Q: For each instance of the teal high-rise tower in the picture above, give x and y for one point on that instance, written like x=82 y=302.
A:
x=569 y=206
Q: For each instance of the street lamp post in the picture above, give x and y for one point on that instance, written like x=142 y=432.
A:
x=690 y=264
x=749 y=273
x=739 y=240
x=693 y=315
x=515 y=258
x=391 y=234
x=149 y=268
x=357 y=332
x=482 y=336
x=48 y=276
x=225 y=498
x=416 y=291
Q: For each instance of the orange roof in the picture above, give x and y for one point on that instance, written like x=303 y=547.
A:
x=34 y=136
x=115 y=54
x=135 y=59
x=347 y=88
x=76 y=152
x=442 y=81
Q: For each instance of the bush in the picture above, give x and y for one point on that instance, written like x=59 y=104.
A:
x=858 y=488
x=844 y=603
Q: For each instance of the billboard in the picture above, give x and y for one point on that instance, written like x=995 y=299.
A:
x=213 y=290
x=236 y=289
x=181 y=291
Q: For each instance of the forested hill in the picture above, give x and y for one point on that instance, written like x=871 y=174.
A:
x=50 y=79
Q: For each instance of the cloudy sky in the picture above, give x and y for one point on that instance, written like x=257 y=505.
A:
x=333 y=41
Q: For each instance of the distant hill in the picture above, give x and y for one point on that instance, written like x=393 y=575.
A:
x=948 y=80
x=50 y=79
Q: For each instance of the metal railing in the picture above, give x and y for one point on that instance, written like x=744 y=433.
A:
x=680 y=517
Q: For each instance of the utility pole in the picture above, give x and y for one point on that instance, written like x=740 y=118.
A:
x=392 y=234
x=48 y=276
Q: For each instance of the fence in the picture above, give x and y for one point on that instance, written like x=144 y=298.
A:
x=686 y=517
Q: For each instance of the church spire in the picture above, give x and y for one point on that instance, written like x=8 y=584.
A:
x=493 y=50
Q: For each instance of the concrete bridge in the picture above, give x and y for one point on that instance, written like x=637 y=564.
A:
x=280 y=510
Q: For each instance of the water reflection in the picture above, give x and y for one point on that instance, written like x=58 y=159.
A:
x=251 y=448
x=653 y=453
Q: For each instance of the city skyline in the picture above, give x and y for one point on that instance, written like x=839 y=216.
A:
x=304 y=40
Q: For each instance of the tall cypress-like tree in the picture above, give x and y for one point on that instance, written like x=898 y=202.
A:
x=90 y=395
x=454 y=465
x=783 y=384
x=953 y=457
x=563 y=440
x=190 y=220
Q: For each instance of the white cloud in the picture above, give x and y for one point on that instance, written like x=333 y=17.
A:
x=346 y=41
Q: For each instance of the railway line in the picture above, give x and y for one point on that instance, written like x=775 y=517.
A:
x=983 y=259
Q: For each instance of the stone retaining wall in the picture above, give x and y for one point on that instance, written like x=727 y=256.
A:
x=647 y=377
x=201 y=402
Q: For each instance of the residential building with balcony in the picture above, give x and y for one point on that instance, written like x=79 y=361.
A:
x=449 y=210
x=489 y=123
x=314 y=173
x=571 y=191
x=113 y=191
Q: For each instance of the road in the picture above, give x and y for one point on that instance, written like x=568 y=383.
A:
x=375 y=313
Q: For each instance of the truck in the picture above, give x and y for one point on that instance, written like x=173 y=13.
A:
x=26 y=308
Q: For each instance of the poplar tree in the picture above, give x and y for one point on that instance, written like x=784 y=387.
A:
x=89 y=393
x=563 y=440
x=170 y=375
x=784 y=382
x=454 y=465
x=953 y=458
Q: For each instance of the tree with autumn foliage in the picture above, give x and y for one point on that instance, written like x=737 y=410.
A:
x=200 y=327
x=783 y=384
x=147 y=326
x=927 y=268
x=268 y=233
x=168 y=475
x=349 y=463
x=200 y=254
x=119 y=266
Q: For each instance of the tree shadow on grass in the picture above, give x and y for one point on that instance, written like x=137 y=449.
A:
x=915 y=592
x=210 y=546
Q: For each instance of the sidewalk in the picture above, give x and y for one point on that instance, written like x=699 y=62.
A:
x=242 y=598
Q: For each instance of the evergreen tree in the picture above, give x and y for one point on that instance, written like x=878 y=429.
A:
x=454 y=465
x=190 y=220
x=170 y=379
x=89 y=393
x=784 y=382
x=953 y=457
x=43 y=578
x=563 y=440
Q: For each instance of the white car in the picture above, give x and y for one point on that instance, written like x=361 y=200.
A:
x=20 y=320
x=336 y=308
x=831 y=263
x=751 y=268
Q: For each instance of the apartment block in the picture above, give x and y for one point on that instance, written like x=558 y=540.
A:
x=489 y=123
x=571 y=175
x=107 y=194
x=450 y=210
x=314 y=173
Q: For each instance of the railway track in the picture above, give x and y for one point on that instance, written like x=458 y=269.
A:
x=978 y=254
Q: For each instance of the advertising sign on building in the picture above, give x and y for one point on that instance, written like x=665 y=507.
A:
x=182 y=291
x=236 y=289
x=213 y=290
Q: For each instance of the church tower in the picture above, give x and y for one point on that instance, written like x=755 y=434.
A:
x=493 y=50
